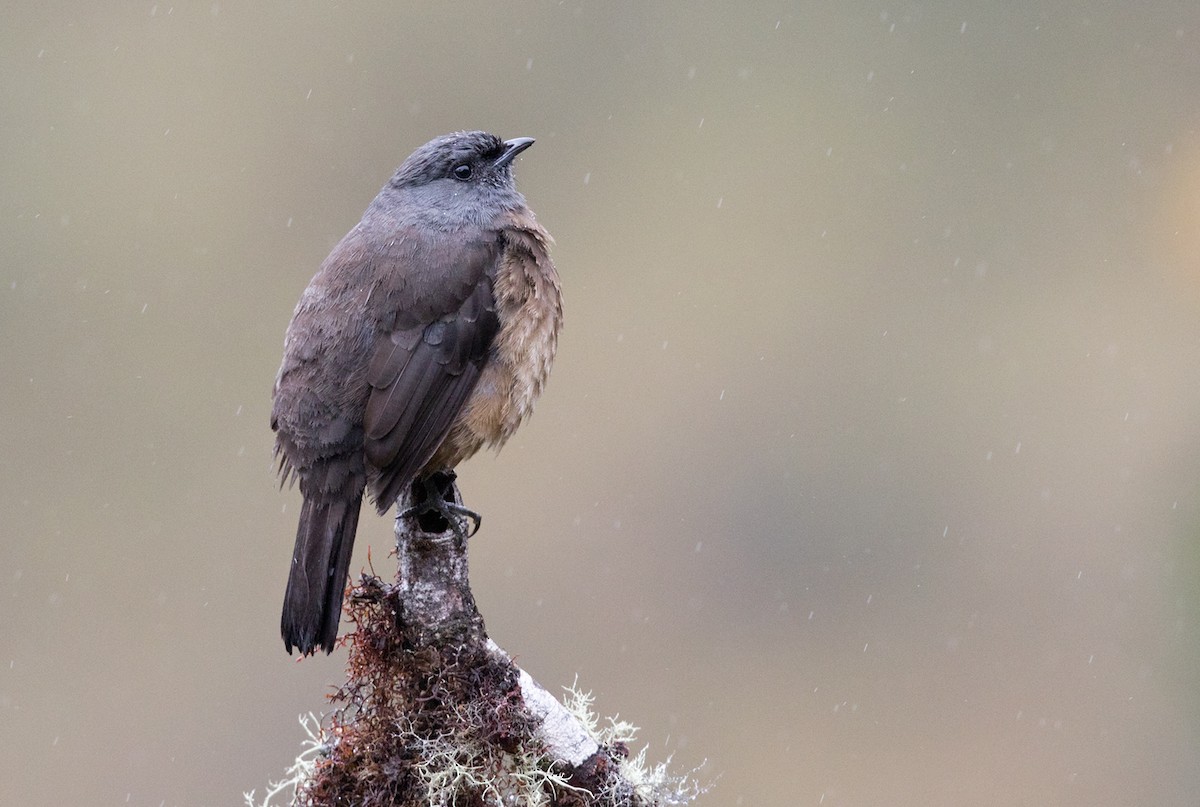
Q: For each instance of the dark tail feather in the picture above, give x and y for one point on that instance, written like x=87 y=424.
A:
x=312 y=606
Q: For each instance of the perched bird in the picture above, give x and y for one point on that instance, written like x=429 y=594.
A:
x=426 y=335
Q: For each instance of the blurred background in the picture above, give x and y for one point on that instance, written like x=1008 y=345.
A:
x=868 y=471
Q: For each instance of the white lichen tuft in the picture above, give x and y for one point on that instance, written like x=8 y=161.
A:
x=579 y=704
x=657 y=785
x=301 y=770
x=451 y=765
x=653 y=786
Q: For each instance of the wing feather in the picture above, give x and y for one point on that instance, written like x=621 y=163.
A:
x=420 y=378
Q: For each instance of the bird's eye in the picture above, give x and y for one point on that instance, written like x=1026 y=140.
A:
x=462 y=171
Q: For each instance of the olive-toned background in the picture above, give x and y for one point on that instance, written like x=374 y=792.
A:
x=869 y=469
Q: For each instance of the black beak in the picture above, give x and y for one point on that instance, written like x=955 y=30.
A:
x=511 y=149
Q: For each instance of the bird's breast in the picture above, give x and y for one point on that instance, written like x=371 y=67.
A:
x=529 y=307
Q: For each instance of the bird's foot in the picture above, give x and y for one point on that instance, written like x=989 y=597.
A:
x=436 y=510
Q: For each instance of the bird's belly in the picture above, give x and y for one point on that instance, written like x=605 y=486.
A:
x=506 y=391
x=490 y=416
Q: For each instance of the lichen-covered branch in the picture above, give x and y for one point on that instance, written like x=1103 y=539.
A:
x=435 y=713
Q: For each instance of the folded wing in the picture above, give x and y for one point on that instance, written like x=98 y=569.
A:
x=421 y=375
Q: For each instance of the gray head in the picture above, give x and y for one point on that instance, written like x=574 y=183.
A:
x=462 y=170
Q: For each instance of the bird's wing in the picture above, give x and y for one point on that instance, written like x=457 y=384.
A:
x=423 y=371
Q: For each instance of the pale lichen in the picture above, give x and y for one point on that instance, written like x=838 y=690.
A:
x=284 y=791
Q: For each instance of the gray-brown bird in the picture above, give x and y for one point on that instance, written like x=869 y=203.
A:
x=426 y=335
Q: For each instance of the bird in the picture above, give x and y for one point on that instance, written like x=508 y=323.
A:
x=427 y=334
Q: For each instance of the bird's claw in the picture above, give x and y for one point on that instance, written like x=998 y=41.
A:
x=454 y=515
x=436 y=500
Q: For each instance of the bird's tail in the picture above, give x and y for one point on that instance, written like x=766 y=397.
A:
x=312 y=606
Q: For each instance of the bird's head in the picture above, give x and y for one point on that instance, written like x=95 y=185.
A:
x=471 y=163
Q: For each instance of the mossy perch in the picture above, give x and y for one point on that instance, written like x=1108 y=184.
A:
x=435 y=713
